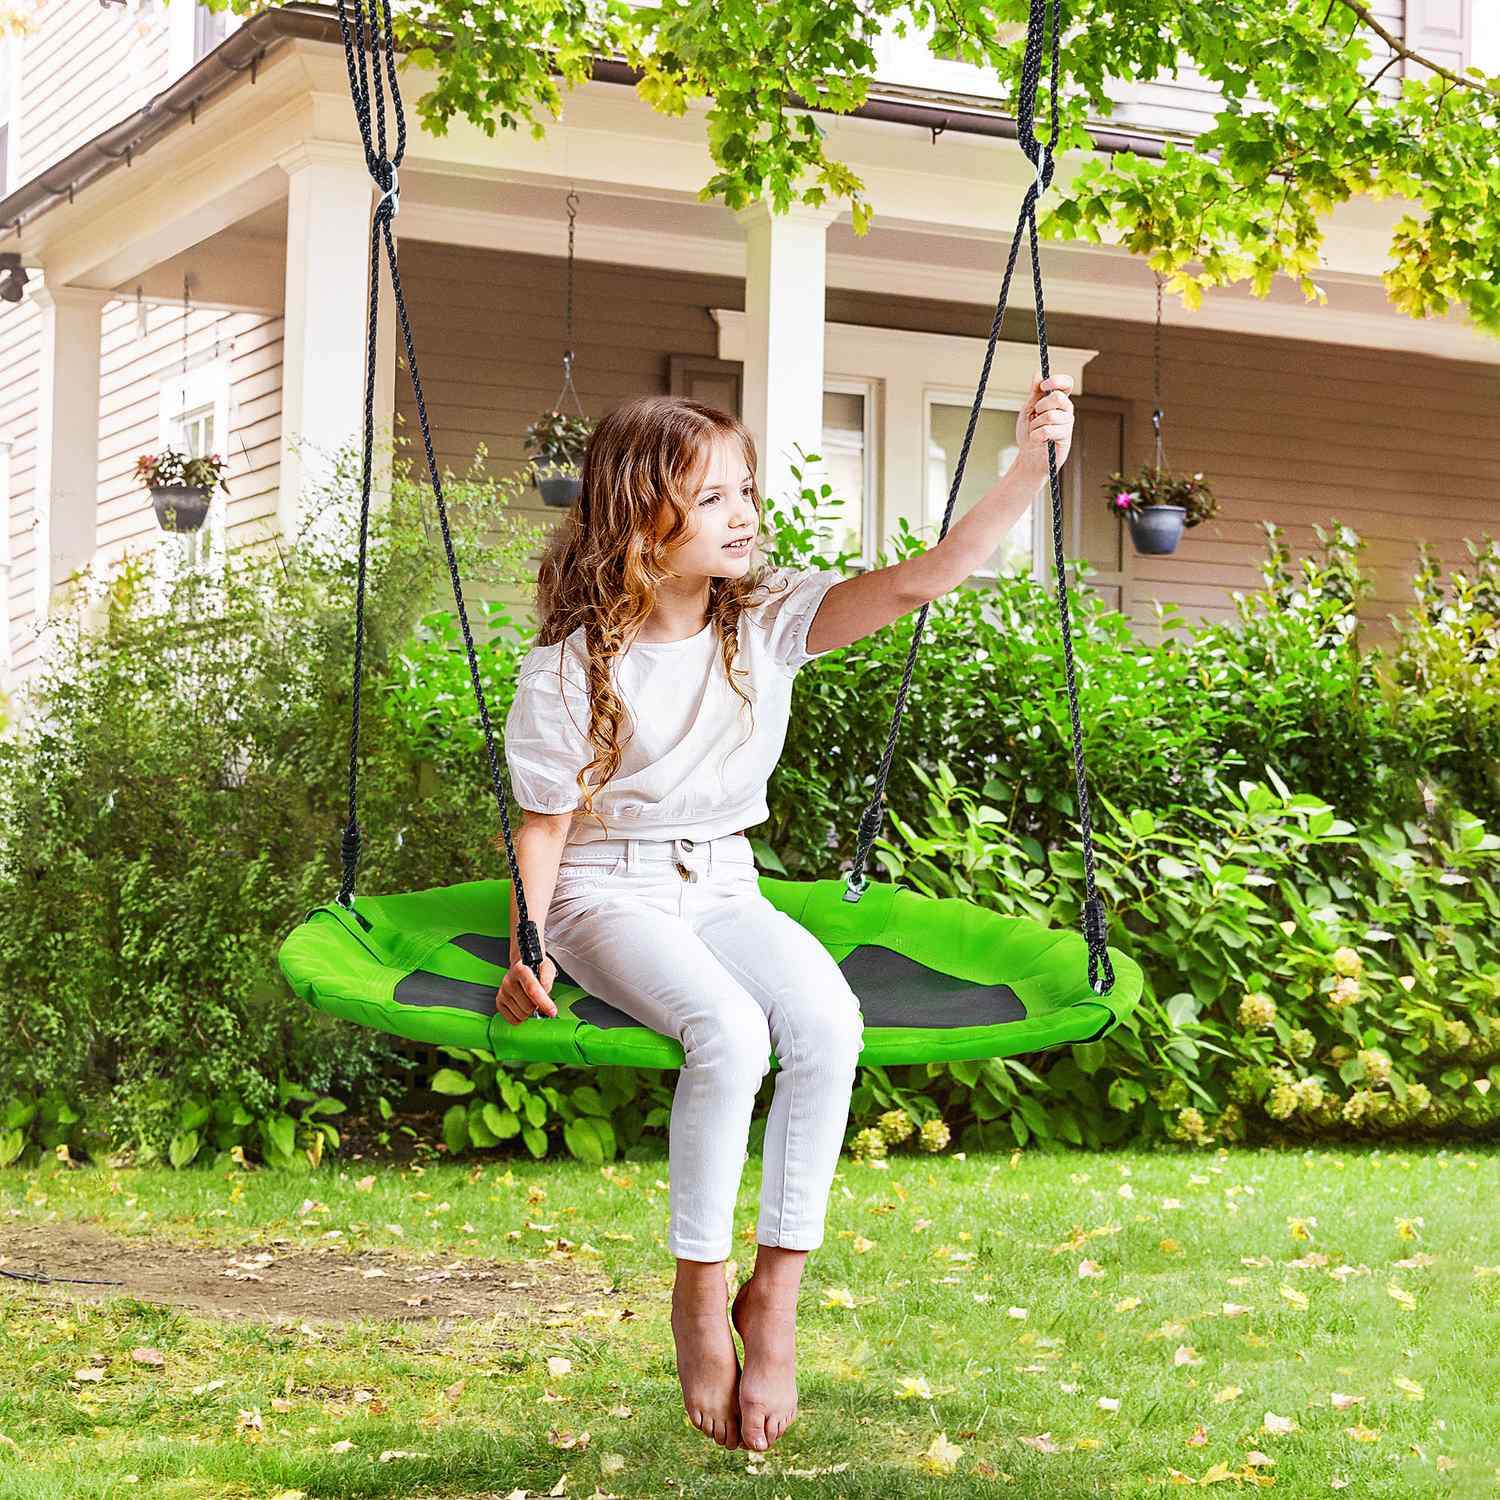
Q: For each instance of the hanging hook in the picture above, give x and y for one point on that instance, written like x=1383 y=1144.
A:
x=1158 y=415
x=186 y=280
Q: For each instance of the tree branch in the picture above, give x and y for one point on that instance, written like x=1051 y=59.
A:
x=1402 y=50
x=1369 y=87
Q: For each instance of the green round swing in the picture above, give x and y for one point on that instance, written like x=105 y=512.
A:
x=937 y=978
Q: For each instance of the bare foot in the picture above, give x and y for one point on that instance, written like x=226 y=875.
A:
x=708 y=1368
x=768 y=1384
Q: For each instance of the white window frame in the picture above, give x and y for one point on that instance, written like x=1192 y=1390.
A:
x=869 y=520
x=10 y=114
x=934 y=505
x=904 y=364
x=205 y=385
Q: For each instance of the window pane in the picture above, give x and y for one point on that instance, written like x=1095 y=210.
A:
x=990 y=454
x=197 y=429
x=210 y=27
x=843 y=468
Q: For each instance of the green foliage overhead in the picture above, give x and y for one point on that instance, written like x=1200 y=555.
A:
x=1302 y=126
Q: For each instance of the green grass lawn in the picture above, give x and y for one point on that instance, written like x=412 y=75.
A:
x=1057 y=1325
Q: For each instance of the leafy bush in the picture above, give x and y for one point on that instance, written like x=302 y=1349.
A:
x=603 y=1112
x=1302 y=977
x=173 y=806
x=1282 y=817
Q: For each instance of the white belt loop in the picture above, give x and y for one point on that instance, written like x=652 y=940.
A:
x=633 y=856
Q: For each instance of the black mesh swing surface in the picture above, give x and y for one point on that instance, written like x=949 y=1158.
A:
x=936 y=977
x=893 y=990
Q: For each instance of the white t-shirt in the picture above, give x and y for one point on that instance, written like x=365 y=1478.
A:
x=691 y=765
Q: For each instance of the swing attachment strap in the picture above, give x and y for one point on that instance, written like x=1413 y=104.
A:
x=1095 y=927
x=369 y=109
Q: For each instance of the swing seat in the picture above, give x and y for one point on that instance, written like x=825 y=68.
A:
x=938 y=979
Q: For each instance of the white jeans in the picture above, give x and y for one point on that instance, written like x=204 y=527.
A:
x=706 y=958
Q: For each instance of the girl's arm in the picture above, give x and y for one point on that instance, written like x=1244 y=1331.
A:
x=539 y=845
x=858 y=606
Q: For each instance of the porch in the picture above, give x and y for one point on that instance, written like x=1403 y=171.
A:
x=865 y=350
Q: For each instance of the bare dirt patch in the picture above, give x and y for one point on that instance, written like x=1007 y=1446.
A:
x=276 y=1282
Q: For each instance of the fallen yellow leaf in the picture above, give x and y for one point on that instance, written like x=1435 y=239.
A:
x=941 y=1456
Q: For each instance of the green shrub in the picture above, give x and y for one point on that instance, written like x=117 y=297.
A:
x=1302 y=978
x=1270 y=798
x=174 y=806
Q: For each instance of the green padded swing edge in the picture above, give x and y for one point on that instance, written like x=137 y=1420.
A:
x=336 y=964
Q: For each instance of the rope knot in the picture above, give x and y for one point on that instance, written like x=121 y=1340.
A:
x=386 y=178
x=1042 y=163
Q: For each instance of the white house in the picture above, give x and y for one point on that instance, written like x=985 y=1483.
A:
x=188 y=198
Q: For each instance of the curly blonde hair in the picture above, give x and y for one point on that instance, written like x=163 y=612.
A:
x=607 y=558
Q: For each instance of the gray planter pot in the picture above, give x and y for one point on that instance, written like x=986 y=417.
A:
x=1157 y=529
x=180 y=507
x=559 y=489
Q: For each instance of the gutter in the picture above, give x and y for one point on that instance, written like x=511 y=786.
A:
x=268 y=31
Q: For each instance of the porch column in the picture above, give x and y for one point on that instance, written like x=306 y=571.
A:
x=330 y=199
x=786 y=258
x=66 y=479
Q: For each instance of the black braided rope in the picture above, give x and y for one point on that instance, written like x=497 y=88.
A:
x=1095 y=926
x=383 y=169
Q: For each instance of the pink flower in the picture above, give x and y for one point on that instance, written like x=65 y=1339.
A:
x=1123 y=499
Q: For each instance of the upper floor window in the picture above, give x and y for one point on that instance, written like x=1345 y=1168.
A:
x=6 y=47
x=193 y=31
x=210 y=27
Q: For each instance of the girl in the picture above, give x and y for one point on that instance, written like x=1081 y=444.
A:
x=653 y=610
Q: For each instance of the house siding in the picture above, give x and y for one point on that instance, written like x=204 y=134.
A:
x=133 y=367
x=1185 y=105
x=132 y=364
x=84 y=68
x=1401 y=447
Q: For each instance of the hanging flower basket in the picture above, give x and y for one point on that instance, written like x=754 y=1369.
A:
x=558 y=442
x=182 y=486
x=1158 y=506
x=180 y=507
